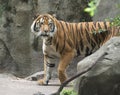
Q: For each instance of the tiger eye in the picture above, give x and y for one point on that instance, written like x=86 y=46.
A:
x=41 y=23
x=50 y=24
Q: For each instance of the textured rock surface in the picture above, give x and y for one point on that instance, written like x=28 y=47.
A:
x=104 y=77
x=7 y=64
x=67 y=10
x=107 y=9
x=15 y=20
x=14 y=30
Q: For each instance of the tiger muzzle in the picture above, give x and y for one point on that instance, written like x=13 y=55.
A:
x=45 y=33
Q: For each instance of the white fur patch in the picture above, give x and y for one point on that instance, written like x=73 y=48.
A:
x=41 y=20
x=49 y=20
x=49 y=50
x=34 y=32
x=32 y=27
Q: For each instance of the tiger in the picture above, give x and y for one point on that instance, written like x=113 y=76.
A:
x=66 y=40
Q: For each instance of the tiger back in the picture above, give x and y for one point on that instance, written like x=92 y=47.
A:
x=84 y=37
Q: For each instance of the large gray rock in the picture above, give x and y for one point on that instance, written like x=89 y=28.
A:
x=104 y=77
x=107 y=9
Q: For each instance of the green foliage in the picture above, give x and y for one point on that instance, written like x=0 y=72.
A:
x=118 y=5
x=114 y=21
x=2 y=8
x=91 y=9
x=68 y=92
x=92 y=6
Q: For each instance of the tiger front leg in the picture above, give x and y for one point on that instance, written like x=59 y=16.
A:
x=64 y=62
x=48 y=67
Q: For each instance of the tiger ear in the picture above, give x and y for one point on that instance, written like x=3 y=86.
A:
x=54 y=15
x=35 y=16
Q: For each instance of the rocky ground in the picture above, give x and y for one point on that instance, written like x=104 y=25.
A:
x=10 y=85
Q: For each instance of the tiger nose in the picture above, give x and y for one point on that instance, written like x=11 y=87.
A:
x=46 y=28
x=45 y=31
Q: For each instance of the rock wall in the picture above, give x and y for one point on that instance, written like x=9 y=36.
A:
x=67 y=10
x=107 y=9
x=15 y=34
x=7 y=64
x=15 y=37
x=16 y=18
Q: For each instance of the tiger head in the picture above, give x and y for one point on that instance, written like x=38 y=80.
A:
x=44 y=26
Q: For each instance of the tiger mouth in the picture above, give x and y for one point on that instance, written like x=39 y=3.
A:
x=44 y=35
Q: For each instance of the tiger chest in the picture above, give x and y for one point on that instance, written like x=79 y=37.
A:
x=50 y=51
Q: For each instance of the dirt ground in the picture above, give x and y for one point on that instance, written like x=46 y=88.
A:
x=10 y=85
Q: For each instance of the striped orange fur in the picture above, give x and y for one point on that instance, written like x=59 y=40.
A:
x=64 y=40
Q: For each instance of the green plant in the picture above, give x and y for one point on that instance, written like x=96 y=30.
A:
x=68 y=92
x=92 y=6
x=114 y=21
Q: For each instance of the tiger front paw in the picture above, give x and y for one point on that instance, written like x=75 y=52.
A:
x=42 y=82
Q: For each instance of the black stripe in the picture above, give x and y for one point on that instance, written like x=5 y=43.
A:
x=87 y=51
x=63 y=47
x=104 y=34
x=93 y=28
x=81 y=42
x=79 y=32
x=62 y=25
x=70 y=36
x=57 y=45
x=105 y=25
x=53 y=28
x=76 y=29
x=87 y=32
x=64 y=38
x=67 y=25
x=51 y=57
x=94 y=24
x=81 y=29
x=73 y=32
x=50 y=65
x=76 y=38
x=34 y=27
x=98 y=39
x=87 y=26
x=78 y=52
x=87 y=36
x=99 y=26
x=80 y=38
x=81 y=45
x=93 y=45
x=70 y=30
